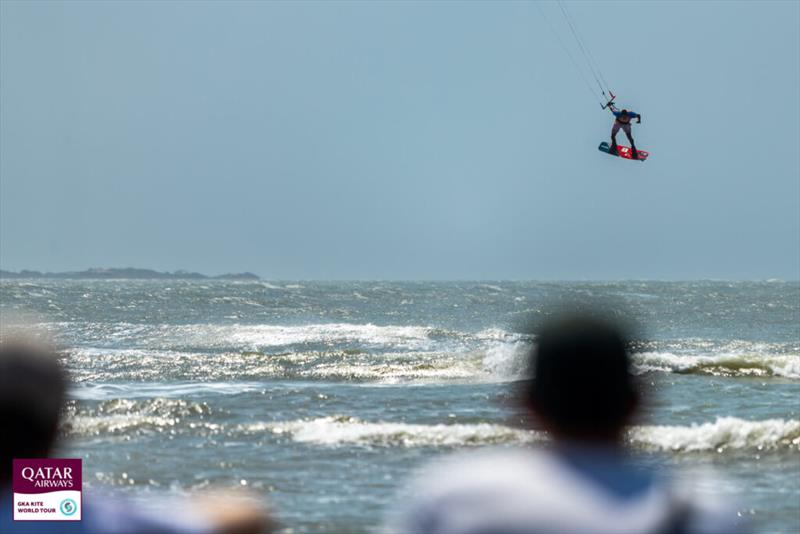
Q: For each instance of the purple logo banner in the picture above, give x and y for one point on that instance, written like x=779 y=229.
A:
x=44 y=475
x=47 y=489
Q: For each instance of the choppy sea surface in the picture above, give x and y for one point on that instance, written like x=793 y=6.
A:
x=323 y=397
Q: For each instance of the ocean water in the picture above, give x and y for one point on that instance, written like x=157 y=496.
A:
x=324 y=397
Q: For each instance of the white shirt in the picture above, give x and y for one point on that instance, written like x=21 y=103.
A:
x=514 y=491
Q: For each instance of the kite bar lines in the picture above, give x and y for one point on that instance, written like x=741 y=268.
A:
x=608 y=97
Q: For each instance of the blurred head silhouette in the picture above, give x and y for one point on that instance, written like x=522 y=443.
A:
x=582 y=388
x=32 y=395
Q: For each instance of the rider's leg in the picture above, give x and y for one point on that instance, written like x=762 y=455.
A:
x=634 y=152
x=627 y=129
x=614 y=130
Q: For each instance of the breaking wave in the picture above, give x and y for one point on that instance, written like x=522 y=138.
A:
x=391 y=354
x=136 y=417
x=262 y=337
x=133 y=417
x=724 y=364
x=725 y=434
x=496 y=361
x=345 y=430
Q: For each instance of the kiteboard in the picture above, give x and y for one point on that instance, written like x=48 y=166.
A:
x=622 y=151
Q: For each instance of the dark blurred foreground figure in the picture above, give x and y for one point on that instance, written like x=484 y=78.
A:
x=32 y=396
x=584 y=396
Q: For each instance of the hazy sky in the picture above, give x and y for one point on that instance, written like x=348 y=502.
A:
x=399 y=140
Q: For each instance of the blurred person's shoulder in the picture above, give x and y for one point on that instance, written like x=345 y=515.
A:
x=705 y=510
x=515 y=490
x=216 y=511
x=115 y=515
x=492 y=489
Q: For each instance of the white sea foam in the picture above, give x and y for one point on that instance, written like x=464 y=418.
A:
x=490 y=360
x=506 y=358
x=742 y=363
x=491 y=287
x=725 y=434
x=86 y=425
x=398 y=337
x=498 y=334
x=343 y=430
x=128 y=416
x=394 y=372
x=255 y=337
x=259 y=336
x=507 y=361
x=267 y=285
x=148 y=390
x=383 y=353
x=172 y=415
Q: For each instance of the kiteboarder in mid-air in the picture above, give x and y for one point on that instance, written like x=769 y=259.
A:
x=622 y=119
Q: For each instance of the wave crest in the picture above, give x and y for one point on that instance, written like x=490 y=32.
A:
x=344 y=430
x=726 y=364
x=723 y=435
x=726 y=433
x=127 y=416
x=366 y=352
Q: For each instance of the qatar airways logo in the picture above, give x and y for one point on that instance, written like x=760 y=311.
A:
x=47 y=489
x=49 y=477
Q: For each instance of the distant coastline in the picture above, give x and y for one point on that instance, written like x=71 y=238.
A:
x=129 y=273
